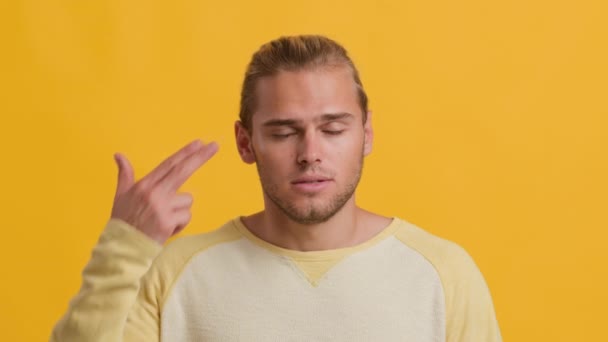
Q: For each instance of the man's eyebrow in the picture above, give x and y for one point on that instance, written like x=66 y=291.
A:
x=280 y=122
x=336 y=116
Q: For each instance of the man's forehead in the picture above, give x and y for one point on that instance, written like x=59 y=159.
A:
x=306 y=95
x=327 y=71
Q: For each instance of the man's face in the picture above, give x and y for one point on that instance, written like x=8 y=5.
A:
x=308 y=142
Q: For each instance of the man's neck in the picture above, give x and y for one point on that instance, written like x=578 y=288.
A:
x=348 y=227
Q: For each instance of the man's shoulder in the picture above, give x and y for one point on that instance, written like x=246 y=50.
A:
x=447 y=257
x=179 y=252
x=469 y=308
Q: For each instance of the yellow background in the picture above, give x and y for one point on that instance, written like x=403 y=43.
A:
x=490 y=118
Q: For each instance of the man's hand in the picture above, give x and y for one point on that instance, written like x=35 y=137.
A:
x=152 y=205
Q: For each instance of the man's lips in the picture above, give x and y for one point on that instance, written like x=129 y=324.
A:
x=311 y=184
x=313 y=179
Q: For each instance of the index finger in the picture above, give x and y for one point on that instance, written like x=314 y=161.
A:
x=182 y=171
x=168 y=164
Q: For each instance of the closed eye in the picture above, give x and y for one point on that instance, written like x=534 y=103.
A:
x=333 y=132
x=283 y=135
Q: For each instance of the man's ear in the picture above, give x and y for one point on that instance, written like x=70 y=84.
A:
x=243 y=143
x=368 y=134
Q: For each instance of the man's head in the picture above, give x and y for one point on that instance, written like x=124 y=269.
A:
x=304 y=122
x=295 y=53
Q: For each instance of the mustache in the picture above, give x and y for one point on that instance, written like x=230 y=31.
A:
x=314 y=170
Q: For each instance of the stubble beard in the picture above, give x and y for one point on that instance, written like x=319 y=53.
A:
x=311 y=213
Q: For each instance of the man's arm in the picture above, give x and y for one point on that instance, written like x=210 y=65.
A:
x=144 y=215
x=110 y=282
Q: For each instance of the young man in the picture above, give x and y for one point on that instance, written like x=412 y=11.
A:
x=312 y=266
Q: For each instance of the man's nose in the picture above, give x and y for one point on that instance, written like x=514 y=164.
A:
x=309 y=149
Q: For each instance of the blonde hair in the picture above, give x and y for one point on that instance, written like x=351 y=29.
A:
x=293 y=53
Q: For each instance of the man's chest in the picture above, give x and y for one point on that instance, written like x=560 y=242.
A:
x=365 y=298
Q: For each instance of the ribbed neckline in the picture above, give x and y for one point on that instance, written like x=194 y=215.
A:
x=316 y=255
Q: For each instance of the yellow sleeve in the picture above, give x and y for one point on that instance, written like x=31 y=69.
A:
x=143 y=321
x=110 y=283
x=470 y=311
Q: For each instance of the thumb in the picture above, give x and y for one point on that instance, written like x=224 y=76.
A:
x=125 y=174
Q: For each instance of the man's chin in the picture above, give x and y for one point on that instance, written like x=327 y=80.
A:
x=307 y=210
x=310 y=219
x=310 y=215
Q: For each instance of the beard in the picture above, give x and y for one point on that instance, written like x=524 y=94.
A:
x=311 y=212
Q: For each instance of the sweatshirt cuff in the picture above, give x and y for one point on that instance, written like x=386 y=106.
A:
x=117 y=229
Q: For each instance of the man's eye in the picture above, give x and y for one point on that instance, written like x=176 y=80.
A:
x=282 y=135
x=333 y=132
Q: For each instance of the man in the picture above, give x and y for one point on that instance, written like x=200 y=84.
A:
x=312 y=266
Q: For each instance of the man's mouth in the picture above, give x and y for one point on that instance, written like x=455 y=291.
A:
x=311 y=184
x=310 y=180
